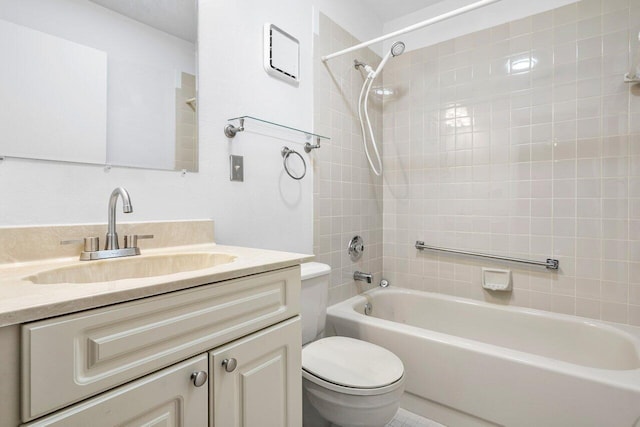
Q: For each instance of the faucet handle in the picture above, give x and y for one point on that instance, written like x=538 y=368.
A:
x=71 y=241
x=91 y=244
x=131 y=240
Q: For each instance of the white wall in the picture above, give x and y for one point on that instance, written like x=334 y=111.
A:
x=268 y=207
x=355 y=17
x=486 y=17
x=268 y=210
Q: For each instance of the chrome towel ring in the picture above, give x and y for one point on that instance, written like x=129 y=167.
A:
x=286 y=152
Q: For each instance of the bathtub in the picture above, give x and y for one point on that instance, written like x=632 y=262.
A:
x=470 y=363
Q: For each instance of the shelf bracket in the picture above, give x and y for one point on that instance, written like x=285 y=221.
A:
x=230 y=130
x=308 y=147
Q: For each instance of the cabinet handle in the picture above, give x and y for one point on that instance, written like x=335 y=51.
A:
x=199 y=378
x=230 y=364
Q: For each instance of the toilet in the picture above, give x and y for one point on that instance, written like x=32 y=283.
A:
x=346 y=382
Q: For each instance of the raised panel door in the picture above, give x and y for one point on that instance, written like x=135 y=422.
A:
x=167 y=398
x=264 y=385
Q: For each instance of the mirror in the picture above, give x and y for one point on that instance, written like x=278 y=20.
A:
x=100 y=81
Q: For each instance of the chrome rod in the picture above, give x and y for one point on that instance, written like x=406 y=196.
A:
x=414 y=27
x=551 y=264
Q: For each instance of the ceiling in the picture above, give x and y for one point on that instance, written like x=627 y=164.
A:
x=176 y=17
x=388 y=10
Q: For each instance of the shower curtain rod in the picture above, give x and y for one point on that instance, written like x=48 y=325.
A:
x=430 y=21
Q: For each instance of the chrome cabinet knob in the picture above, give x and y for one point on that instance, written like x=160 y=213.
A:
x=230 y=364
x=199 y=378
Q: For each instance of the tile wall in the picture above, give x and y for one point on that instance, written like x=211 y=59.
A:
x=347 y=197
x=186 y=124
x=520 y=140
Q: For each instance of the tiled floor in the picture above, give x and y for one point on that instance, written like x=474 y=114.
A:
x=405 y=418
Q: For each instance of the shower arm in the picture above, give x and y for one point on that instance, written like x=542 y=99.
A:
x=414 y=27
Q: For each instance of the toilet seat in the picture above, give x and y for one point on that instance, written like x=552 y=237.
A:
x=351 y=366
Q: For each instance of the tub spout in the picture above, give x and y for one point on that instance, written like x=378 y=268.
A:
x=363 y=277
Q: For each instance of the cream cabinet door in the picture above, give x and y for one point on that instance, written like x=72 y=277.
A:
x=256 y=381
x=168 y=398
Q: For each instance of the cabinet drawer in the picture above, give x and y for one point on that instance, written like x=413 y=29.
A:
x=166 y=398
x=72 y=357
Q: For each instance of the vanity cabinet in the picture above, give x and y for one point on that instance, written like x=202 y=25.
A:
x=133 y=361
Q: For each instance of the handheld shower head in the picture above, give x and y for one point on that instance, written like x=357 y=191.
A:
x=396 y=50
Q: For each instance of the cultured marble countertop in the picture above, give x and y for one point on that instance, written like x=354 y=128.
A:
x=23 y=301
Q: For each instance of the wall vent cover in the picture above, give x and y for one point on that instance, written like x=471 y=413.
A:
x=281 y=54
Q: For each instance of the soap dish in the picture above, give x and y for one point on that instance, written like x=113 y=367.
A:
x=495 y=279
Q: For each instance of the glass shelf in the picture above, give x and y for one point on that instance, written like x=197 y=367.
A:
x=242 y=119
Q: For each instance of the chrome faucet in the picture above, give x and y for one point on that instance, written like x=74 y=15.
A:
x=112 y=236
x=112 y=247
x=363 y=277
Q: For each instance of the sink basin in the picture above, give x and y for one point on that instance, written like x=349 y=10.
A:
x=136 y=267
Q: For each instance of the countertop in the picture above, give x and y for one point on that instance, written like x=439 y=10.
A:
x=23 y=301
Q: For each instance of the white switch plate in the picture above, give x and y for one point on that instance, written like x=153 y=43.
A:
x=236 y=163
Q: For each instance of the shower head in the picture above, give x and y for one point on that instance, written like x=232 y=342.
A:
x=397 y=48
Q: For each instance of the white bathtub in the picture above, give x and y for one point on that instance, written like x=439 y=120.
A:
x=473 y=363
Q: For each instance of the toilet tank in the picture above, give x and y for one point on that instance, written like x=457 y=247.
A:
x=314 y=295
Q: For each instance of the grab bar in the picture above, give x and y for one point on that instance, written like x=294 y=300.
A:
x=551 y=264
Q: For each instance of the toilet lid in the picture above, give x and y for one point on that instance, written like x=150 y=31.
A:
x=351 y=363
